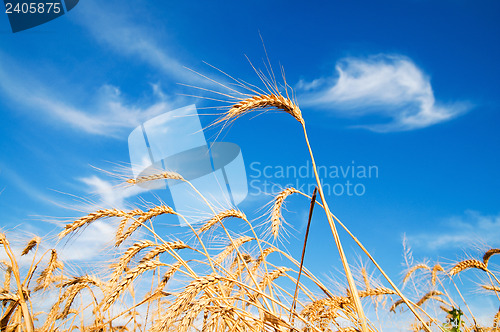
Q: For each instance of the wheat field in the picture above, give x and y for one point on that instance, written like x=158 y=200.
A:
x=213 y=279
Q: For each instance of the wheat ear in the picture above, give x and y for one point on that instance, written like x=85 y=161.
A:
x=184 y=300
x=170 y=272
x=91 y=217
x=435 y=270
x=468 y=264
x=127 y=256
x=413 y=269
x=273 y=275
x=22 y=297
x=8 y=276
x=127 y=280
x=428 y=296
x=262 y=257
x=44 y=279
x=276 y=216
x=158 y=176
x=219 y=217
x=262 y=102
x=161 y=248
x=488 y=254
x=377 y=292
x=395 y=305
x=124 y=221
x=491 y=288
x=145 y=216
x=232 y=246
x=31 y=244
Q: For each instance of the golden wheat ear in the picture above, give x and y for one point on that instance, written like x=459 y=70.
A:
x=468 y=264
x=31 y=244
x=268 y=101
x=487 y=255
x=413 y=269
x=157 y=176
x=276 y=216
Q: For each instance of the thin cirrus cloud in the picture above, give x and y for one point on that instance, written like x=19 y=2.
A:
x=389 y=86
x=109 y=195
x=472 y=229
x=128 y=36
x=106 y=113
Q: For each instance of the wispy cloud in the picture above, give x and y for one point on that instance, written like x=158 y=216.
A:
x=129 y=36
x=472 y=229
x=106 y=113
x=389 y=86
x=20 y=183
x=109 y=195
x=97 y=238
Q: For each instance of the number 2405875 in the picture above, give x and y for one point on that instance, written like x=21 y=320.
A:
x=33 y=8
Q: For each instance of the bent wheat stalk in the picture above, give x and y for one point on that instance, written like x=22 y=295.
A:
x=279 y=102
x=311 y=208
x=350 y=279
x=389 y=280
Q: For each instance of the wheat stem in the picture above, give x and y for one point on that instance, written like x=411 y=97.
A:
x=350 y=279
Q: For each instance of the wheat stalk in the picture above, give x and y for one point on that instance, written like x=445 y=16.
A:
x=285 y=104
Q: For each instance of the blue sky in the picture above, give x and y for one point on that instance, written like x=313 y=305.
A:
x=410 y=87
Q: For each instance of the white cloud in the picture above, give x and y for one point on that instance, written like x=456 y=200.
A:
x=128 y=36
x=109 y=195
x=472 y=230
x=91 y=245
x=95 y=240
x=106 y=113
x=390 y=86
